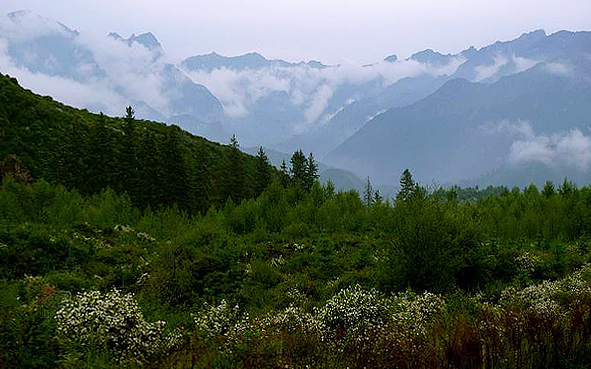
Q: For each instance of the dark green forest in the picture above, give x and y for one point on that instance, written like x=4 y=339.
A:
x=128 y=243
x=155 y=164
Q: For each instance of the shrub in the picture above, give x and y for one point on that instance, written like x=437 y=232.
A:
x=353 y=312
x=111 y=322
x=416 y=313
x=214 y=321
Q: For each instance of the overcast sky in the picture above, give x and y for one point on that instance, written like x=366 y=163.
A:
x=332 y=31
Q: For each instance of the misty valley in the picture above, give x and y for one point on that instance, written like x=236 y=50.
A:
x=243 y=212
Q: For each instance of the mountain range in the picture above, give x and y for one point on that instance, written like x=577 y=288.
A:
x=477 y=117
x=470 y=128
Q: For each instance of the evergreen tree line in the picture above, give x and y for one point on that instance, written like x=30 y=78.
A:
x=425 y=240
x=303 y=172
x=155 y=164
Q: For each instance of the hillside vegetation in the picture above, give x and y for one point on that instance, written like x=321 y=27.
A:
x=102 y=274
x=154 y=163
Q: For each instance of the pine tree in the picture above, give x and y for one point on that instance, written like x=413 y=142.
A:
x=64 y=164
x=234 y=142
x=368 y=194
x=567 y=188
x=377 y=198
x=101 y=158
x=299 y=169
x=548 y=189
x=150 y=176
x=74 y=174
x=329 y=189
x=263 y=172
x=175 y=179
x=128 y=176
x=311 y=172
x=234 y=186
x=200 y=184
x=284 y=178
x=408 y=187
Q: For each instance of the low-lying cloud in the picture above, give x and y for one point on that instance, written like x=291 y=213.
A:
x=24 y=26
x=568 y=148
x=96 y=96
x=558 y=68
x=308 y=87
x=116 y=74
x=486 y=71
x=519 y=64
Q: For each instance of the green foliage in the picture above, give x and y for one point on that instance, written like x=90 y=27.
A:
x=311 y=171
x=284 y=277
x=548 y=189
x=299 y=165
x=304 y=171
x=234 y=176
x=157 y=165
x=262 y=173
x=368 y=194
x=286 y=259
x=408 y=187
x=435 y=246
x=284 y=176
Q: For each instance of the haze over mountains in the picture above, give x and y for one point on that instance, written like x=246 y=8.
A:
x=481 y=115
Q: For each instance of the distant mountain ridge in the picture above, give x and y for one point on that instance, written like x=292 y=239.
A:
x=487 y=65
x=253 y=60
x=469 y=129
x=339 y=112
x=147 y=39
x=55 y=50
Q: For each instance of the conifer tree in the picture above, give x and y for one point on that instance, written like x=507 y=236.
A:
x=59 y=160
x=548 y=189
x=284 y=178
x=175 y=180
x=368 y=194
x=311 y=172
x=128 y=176
x=101 y=158
x=299 y=169
x=408 y=187
x=329 y=189
x=567 y=188
x=74 y=174
x=377 y=198
x=263 y=172
x=150 y=189
x=129 y=114
x=234 y=186
x=200 y=184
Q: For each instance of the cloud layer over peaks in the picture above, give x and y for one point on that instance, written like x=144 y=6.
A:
x=95 y=72
x=570 y=148
x=308 y=87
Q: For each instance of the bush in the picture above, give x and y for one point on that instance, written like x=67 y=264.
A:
x=353 y=313
x=434 y=247
x=110 y=321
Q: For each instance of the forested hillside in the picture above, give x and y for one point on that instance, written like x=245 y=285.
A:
x=297 y=278
x=153 y=163
x=127 y=243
